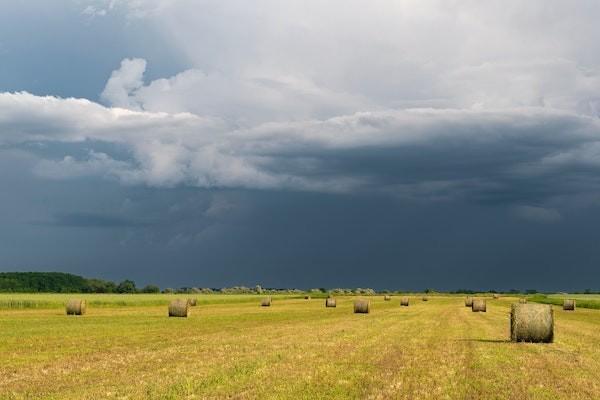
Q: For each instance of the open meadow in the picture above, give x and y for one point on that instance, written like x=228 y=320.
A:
x=126 y=347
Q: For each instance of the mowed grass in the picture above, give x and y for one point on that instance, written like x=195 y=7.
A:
x=296 y=349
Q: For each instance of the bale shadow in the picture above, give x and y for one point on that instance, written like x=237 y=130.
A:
x=486 y=340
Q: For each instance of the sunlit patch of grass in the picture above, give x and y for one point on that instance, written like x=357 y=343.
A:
x=230 y=347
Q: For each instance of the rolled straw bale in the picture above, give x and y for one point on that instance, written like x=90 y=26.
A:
x=307 y=297
x=469 y=301
x=387 y=297
x=266 y=302
x=479 y=305
x=523 y=300
x=425 y=298
x=404 y=301
x=193 y=302
x=496 y=296
x=569 y=305
x=179 y=308
x=330 y=302
x=362 y=306
x=76 y=307
x=531 y=323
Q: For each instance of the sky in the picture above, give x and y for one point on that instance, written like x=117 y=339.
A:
x=385 y=144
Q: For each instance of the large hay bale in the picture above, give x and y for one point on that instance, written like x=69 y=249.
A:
x=569 y=305
x=531 y=323
x=496 y=296
x=387 y=297
x=193 y=302
x=478 y=305
x=523 y=300
x=468 y=301
x=404 y=301
x=179 y=308
x=362 y=306
x=425 y=298
x=76 y=307
x=307 y=297
x=266 y=302
x=330 y=302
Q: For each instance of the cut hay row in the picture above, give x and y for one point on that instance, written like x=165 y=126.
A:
x=76 y=307
x=478 y=305
x=531 y=323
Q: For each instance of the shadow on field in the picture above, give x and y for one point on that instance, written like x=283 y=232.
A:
x=485 y=340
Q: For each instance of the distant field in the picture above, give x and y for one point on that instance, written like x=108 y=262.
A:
x=296 y=349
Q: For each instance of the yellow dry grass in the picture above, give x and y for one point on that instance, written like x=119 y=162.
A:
x=295 y=350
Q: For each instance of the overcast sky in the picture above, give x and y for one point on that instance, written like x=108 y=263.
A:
x=342 y=143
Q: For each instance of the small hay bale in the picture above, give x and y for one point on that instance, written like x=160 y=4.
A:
x=307 y=297
x=76 y=307
x=425 y=298
x=469 y=302
x=179 y=308
x=531 y=323
x=193 y=302
x=569 y=305
x=362 y=306
x=404 y=301
x=330 y=302
x=387 y=297
x=496 y=296
x=266 y=302
x=478 y=305
x=523 y=301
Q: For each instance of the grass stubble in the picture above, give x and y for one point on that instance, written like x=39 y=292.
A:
x=295 y=350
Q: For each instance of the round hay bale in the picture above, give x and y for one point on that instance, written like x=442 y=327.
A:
x=179 y=308
x=479 y=305
x=362 y=306
x=468 y=301
x=306 y=297
x=523 y=301
x=387 y=297
x=531 y=323
x=330 y=302
x=569 y=305
x=425 y=298
x=266 y=302
x=193 y=302
x=76 y=307
x=496 y=296
x=404 y=301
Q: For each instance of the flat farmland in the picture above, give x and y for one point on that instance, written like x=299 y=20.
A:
x=126 y=347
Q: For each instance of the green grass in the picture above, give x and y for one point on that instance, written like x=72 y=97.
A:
x=230 y=347
x=583 y=300
x=54 y=301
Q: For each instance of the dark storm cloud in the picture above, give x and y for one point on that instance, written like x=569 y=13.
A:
x=218 y=143
x=91 y=220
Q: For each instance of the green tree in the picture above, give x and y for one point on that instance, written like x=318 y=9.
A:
x=151 y=289
x=127 y=286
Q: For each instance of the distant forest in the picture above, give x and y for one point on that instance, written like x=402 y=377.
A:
x=59 y=282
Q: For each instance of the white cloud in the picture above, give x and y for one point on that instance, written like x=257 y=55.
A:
x=124 y=82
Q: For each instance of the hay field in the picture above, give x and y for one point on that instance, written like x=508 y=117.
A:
x=231 y=347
